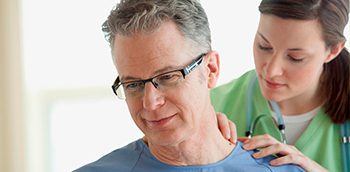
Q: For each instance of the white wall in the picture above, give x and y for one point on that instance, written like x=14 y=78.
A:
x=233 y=27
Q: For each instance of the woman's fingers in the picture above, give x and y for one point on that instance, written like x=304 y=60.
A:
x=227 y=127
x=243 y=139
x=303 y=161
x=259 y=141
x=224 y=125
x=288 y=154
x=289 y=159
x=233 y=132
x=278 y=149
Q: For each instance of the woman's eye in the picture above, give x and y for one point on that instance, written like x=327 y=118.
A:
x=264 y=48
x=294 y=59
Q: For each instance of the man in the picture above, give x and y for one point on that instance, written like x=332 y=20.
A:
x=162 y=51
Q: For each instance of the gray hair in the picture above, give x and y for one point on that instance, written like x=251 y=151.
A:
x=132 y=16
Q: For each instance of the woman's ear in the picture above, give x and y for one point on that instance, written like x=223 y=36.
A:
x=334 y=51
x=213 y=68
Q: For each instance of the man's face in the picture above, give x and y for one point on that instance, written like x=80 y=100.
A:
x=166 y=116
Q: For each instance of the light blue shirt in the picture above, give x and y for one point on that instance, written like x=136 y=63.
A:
x=136 y=157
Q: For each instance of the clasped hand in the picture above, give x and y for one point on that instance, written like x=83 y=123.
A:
x=287 y=154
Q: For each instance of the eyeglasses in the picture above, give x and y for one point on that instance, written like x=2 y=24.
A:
x=161 y=81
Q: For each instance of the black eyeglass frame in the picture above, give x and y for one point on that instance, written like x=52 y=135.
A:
x=185 y=71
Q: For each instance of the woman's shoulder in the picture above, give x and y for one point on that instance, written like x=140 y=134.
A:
x=232 y=95
x=235 y=87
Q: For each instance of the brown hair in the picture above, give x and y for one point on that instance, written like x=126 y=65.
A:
x=333 y=15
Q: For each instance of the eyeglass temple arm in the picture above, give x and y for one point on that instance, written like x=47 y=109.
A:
x=115 y=84
x=193 y=65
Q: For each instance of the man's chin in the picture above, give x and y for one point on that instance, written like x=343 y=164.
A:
x=164 y=139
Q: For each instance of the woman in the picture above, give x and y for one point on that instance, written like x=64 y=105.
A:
x=302 y=74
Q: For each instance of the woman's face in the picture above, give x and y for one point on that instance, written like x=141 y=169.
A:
x=289 y=56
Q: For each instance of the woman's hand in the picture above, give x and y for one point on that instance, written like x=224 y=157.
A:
x=227 y=127
x=288 y=154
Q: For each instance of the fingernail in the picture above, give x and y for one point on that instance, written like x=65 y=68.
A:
x=233 y=141
x=256 y=155
x=273 y=162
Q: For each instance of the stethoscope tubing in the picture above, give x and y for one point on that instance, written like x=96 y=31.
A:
x=345 y=139
x=251 y=125
x=345 y=128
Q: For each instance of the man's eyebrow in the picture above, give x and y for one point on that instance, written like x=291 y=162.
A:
x=155 y=73
x=165 y=69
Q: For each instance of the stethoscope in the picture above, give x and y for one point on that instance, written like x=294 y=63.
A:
x=250 y=127
x=345 y=139
x=344 y=128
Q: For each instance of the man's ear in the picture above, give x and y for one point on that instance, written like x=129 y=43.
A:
x=334 y=51
x=212 y=62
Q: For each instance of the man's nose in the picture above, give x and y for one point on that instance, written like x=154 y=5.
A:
x=152 y=97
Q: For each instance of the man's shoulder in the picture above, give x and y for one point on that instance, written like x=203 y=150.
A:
x=122 y=159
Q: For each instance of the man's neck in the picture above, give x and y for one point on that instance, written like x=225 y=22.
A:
x=206 y=146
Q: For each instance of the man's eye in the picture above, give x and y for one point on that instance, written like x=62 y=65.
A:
x=169 y=77
x=132 y=85
x=166 y=77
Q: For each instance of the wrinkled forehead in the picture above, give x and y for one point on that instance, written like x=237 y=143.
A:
x=142 y=55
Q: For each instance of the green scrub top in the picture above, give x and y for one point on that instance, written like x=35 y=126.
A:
x=320 y=140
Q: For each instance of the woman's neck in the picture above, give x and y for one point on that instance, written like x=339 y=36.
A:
x=299 y=105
